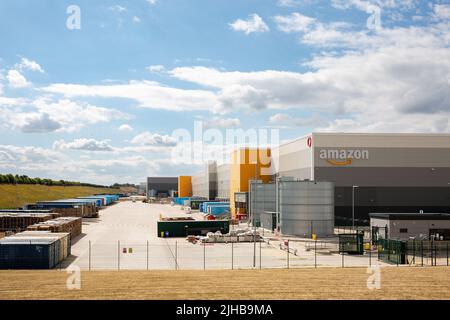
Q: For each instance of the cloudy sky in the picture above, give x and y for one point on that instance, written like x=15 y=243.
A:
x=96 y=97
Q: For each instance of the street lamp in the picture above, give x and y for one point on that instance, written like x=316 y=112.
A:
x=353 y=205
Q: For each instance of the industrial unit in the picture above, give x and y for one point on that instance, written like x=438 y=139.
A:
x=363 y=172
x=204 y=184
x=404 y=226
x=377 y=172
x=162 y=186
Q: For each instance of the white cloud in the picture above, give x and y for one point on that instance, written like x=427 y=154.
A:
x=118 y=8
x=83 y=144
x=125 y=127
x=221 y=123
x=442 y=11
x=254 y=23
x=154 y=139
x=136 y=19
x=294 y=22
x=46 y=115
x=73 y=115
x=38 y=123
x=285 y=120
x=16 y=79
x=26 y=64
x=289 y=3
x=152 y=2
x=156 y=68
x=147 y=93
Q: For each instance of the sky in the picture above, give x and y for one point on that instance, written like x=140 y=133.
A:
x=98 y=91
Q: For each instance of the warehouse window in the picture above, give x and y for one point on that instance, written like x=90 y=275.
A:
x=403 y=230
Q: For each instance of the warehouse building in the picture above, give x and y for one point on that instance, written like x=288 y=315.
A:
x=377 y=172
x=162 y=186
x=204 y=184
x=404 y=226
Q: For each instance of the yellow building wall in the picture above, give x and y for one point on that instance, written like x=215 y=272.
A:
x=247 y=164
x=184 y=186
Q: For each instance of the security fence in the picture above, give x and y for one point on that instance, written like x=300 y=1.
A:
x=350 y=250
x=414 y=252
x=171 y=254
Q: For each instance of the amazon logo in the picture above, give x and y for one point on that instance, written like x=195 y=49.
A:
x=343 y=157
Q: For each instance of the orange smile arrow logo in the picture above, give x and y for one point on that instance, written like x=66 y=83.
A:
x=340 y=163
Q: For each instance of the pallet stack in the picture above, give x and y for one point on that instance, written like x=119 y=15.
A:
x=72 y=225
x=81 y=211
x=14 y=221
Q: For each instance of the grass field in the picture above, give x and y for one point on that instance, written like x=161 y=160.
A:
x=322 y=283
x=14 y=196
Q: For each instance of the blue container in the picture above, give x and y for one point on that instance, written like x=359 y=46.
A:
x=205 y=205
x=29 y=254
x=218 y=210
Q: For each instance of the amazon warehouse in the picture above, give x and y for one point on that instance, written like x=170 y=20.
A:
x=331 y=179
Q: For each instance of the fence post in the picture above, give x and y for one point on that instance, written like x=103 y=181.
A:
x=118 y=255
x=204 y=255
x=260 y=267
x=176 y=255
x=232 y=255
x=254 y=249
x=421 y=250
x=315 y=253
x=89 y=255
x=147 y=255
x=287 y=250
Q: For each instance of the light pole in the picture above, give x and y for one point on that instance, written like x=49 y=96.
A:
x=353 y=205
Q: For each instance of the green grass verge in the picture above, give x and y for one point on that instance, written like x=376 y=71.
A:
x=15 y=196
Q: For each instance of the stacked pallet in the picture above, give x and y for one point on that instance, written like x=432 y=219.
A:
x=80 y=211
x=72 y=225
x=15 y=221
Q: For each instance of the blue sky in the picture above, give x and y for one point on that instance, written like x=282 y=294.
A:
x=100 y=103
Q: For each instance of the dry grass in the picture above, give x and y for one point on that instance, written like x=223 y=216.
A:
x=322 y=283
x=15 y=196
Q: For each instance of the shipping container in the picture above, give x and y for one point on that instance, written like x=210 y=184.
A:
x=191 y=227
x=34 y=251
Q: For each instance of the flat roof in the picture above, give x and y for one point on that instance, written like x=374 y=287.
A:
x=411 y=216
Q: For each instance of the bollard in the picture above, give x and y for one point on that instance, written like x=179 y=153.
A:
x=89 y=255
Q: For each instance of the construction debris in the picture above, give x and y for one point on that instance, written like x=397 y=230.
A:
x=240 y=235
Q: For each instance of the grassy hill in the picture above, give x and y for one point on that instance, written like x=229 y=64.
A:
x=14 y=196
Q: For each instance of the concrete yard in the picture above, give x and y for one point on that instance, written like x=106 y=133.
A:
x=125 y=238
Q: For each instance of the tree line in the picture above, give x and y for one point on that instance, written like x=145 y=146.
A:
x=23 y=179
